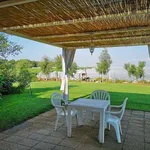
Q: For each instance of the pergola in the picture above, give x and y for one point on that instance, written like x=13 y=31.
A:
x=73 y=24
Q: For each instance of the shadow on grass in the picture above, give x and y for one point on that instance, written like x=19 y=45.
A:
x=22 y=109
x=55 y=88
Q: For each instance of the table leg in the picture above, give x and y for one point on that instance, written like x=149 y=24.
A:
x=102 y=126
x=69 y=129
x=81 y=118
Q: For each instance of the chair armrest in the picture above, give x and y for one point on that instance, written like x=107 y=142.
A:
x=113 y=112
x=114 y=106
x=57 y=106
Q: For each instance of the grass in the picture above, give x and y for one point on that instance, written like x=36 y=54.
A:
x=17 y=108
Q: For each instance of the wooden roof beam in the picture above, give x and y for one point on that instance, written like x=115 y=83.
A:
x=100 y=40
x=131 y=29
x=9 y=3
x=114 y=45
x=27 y=37
x=74 y=21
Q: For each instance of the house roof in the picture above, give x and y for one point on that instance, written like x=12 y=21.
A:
x=74 y=23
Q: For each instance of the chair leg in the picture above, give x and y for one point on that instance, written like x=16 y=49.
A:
x=87 y=115
x=116 y=126
x=66 y=120
x=109 y=126
x=76 y=119
x=56 y=123
x=92 y=115
x=63 y=120
x=120 y=128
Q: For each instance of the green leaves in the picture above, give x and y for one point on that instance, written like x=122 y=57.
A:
x=58 y=63
x=73 y=69
x=8 y=48
x=46 y=65
x=104 y=62
x=136 y=71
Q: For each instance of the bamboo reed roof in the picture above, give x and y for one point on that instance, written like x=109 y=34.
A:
x=70 y=23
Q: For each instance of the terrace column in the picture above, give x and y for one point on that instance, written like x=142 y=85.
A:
x=149 y=50
x=67 y=59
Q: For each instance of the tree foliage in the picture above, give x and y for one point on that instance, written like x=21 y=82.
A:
x=135 y=71
x=73 y=69
x=46 y=65
x=104 y=63
x=58 y=63
x=7 y=47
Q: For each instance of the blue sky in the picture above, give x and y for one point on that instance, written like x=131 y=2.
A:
x=35 y=51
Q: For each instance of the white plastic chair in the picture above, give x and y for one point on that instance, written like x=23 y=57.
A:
x=57 y=101
x=99 y=95
x=114 y=118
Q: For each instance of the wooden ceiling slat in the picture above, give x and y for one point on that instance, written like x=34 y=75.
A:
x=75 y=21
x=8 y=3
x=99 y=40
x=131 y=29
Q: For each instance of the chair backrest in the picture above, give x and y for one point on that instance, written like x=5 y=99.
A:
x=123 y=108
x=56 y=100
x=100 y=94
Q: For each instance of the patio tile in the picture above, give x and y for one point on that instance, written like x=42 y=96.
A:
x=11 y=131
x=69 y=143
x=59 y=134
x=23 y=133
x=134 y=112
x=19 y=147
x=38 y=125
x=6 y=145
x=90 y=147
x=135 y=138
x=135 y=132
x=147 y=146
x=147 y=139
x=44 y=131
x=37 y=136
x=91 y=141
x=28 y=142
x=3 y=136
x=133 y=144
x=112 y=145
x=63 y=148
x=53 y=140
x=44 y=146
x=133 y=147
x=14 y=139
x=38 y=133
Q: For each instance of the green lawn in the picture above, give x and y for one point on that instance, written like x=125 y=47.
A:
x=16 y=108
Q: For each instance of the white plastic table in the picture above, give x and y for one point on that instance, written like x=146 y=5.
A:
x=89 y=104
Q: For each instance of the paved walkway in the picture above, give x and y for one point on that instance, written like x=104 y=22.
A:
x=38 y=134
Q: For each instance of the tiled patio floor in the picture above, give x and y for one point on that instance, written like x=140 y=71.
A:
x=38 y=134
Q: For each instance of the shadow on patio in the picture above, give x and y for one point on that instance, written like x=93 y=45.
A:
x=38 y=133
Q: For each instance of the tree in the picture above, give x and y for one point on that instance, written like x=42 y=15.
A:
x=73 y=69
x=58 y=64
x=7 y=68
x=8 y=48
x=46 y=66
x=23 y=79
x=104 y=63
x=24 y=62
x=140 y=69
x=136 y=71
x=127 y=67
x=133 y=70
